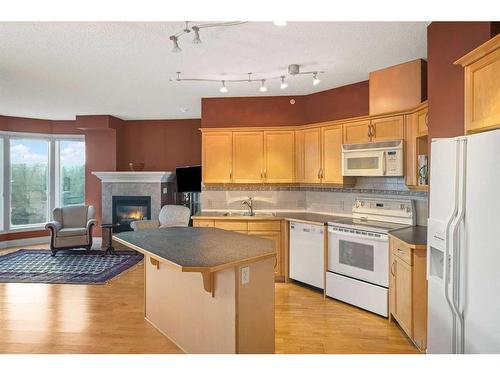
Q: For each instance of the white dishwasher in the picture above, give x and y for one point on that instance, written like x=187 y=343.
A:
x=307 y=253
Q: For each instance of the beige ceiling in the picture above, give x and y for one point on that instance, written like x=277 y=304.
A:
x=57 y=70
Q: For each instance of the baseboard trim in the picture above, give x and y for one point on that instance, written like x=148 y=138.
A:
x=97 y=242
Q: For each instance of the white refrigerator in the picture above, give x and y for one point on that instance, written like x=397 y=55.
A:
x=463 y=253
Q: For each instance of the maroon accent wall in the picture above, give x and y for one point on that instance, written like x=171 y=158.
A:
x=446 y=42
x=162 y=145
x=252 y=111
x=340 y=102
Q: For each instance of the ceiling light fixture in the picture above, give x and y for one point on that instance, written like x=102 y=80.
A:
x=223 y=88
x=196 y=40
x=263 y=87
x=293 y=70
x=283 y=83
x=316 y=80
x=279 y=23
x=175 y=41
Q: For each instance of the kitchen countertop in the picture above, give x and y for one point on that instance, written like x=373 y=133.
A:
x=198 y=249
x=306 y=217
x=415 y=236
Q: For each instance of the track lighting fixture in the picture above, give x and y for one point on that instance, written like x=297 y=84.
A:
x=293 y=70
x=263 y=87
x=196 y=39
x=316 y=80
x=175 y=41
x=223 y=88
x=283 y=83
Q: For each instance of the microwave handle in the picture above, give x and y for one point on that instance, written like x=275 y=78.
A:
x=384 y=161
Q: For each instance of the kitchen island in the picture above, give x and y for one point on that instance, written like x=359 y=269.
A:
x=206 y=289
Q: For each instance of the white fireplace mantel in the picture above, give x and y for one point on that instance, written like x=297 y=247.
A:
x=138 y=177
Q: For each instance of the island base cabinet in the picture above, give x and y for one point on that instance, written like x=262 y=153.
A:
x=235 y=318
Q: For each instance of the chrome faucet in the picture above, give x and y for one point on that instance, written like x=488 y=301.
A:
x=249 y=203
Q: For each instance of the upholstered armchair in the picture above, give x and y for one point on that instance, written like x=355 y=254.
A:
x=71 y=228
x=170 y=216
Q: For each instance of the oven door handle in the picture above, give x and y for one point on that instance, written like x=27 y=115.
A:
x=382 y=238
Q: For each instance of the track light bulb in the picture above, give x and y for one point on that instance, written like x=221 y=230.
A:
x=283 y=83
x=223 y=88
x=175 y=41
x=316 y=80
x=263 y=87
x=279 y=23
x=196 y=39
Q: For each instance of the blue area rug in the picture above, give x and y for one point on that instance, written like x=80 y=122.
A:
x=70 y=267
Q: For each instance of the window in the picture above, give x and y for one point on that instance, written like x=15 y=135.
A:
x=29 y=182
x=37 y=173
x=71 y=172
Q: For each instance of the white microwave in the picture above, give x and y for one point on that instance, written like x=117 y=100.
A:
x=373 y=159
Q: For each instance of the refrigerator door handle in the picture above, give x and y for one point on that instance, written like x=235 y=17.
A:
x=457 y=249
x=447 y=255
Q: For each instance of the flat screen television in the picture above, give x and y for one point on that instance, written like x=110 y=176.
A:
x=188 y=178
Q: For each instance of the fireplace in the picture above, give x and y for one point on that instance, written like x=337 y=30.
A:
x=127 y=209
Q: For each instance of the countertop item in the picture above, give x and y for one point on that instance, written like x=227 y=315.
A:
x=198 y=249
x=411 y=236
x=306 y=217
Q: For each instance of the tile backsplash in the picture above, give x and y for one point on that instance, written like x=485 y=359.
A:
x=318 y=199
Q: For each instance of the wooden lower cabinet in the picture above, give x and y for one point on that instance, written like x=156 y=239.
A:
x=408 y=290
x=270 y=229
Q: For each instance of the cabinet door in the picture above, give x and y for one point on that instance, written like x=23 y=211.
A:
x=279 y=151
x=388 y=128
x=332 y=154
x=312 y=155
x=357 y=132
x=299 y=156
x=482 y=93
x=403 y=308
x=392 y=282
x=217 y=157
x=276 y=238
x=248 y=157
x=410 y=150
x=422 y=122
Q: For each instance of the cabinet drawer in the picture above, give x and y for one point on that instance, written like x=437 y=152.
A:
x=203 y=223
x=272 y=225
x=231 y=225
x=401 y=251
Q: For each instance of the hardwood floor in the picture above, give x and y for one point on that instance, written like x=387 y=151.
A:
x=56 y=318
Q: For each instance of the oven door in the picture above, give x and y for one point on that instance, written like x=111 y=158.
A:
x=356 y=255
x=363 y=163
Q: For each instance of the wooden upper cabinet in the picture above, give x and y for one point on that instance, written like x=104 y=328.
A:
x=279 y=156
x=248 y=157
x=217 y=155
x=422 y=122
x=312 y=155
x=299 y=156
x=357 y=132
x=387 y=128
x=332 y=154
x=410 y=150
x=482 y=86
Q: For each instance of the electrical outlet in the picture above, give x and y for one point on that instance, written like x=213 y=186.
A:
x=165 y=190
x=245 y=275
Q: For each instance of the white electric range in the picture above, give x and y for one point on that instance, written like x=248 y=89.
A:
x=358 y=251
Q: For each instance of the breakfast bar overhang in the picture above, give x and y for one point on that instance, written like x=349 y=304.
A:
x=206 y=289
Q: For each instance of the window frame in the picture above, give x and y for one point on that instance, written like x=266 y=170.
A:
x=53 y=174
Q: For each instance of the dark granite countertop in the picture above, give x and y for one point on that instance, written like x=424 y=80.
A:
x=302 y=216
x=198 y=249
x=416 y=236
